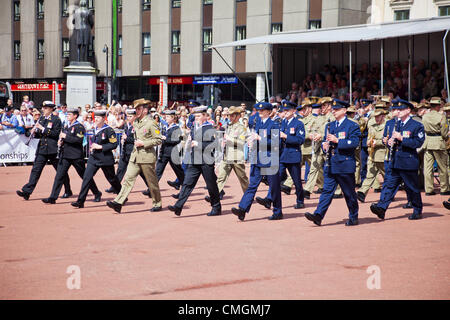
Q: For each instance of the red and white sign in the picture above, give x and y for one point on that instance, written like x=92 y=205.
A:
x=32 y=87
x=172 y=80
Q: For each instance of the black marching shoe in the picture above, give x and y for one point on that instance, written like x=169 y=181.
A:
x=318 y=191
x=299 y=206
x=155 y=209
x=98 y=197
x=215 y=212
x=67 y=195
x=22 y=194
x=358 y=185
x=432 y=193
x=361 y=196
x=146 y=193
x=239 y=213
x=408 y=205
x=286 y=189
x=176 y=196
x=173 y=184
x=110 y=190
x=351 y=222
x=264 y=202
x=415 y=216
x=221 y=194
x=307 y=194
x=377 y=190
x=379 y=212
x=446 y=193
x=446 y=204
x=314 y=218
x=49 y=200
x=176 y=210
x=338 y=196
x=77 y=204
x=264 y=180
x=117 y=207
x=276 y=216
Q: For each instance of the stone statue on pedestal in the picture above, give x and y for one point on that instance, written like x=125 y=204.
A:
x=83 y=23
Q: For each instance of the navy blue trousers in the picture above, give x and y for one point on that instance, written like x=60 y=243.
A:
x=295 y=173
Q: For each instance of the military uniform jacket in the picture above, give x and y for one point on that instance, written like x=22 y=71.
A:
x=204 y=135
x=148 y=132
x=376 y=133
x=342 y=158
x=73 y=142
x=234 y=151
x=106 y=137
x=307 y=123
x=405 y=153
x=436 y=130
x=269 y=131
x=291 y=146
x=173 y=135
x=128 y=144
x=48 y=143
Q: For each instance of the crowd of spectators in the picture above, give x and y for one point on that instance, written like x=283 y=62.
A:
x=426 y=82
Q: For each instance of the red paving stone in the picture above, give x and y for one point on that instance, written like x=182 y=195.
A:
x=143 y=255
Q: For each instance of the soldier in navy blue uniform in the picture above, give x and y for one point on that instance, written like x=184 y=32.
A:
x=172 y=136
x=203 y=143
x=404 y=163
x=71 y=154
x=340 y=141
x=101 y=157
x=47 y=130
x=292 y=136
x=266 y=142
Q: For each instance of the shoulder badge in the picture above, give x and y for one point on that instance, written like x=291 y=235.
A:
x=112 y=139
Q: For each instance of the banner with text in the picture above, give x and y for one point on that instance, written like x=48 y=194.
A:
x=14 y=149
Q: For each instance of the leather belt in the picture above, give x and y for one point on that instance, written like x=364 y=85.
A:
x=432 y=134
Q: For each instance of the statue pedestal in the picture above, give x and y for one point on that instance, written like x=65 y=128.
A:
x=81 y=84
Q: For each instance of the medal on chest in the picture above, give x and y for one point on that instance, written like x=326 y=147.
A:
x=50 y=125
x=406 y=134
x=103 y=136
x=292 y=130
x=341 y=135
x=73 y=130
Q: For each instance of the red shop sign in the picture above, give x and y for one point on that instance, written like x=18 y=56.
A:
x=32 y=87
x=171 y=80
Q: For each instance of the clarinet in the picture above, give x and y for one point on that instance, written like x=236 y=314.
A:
x=391 y=150
x=328 y=155
x=61 y=145
x=31 y=137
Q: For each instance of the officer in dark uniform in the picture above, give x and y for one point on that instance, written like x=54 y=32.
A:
x=408 y=136
x=292 y=136
x=203 y=143
x=104 y=141
x=47 y=130
x=340 y=141
x=265 y=141
x=71 y=154
x=127 y=147
x=171 y=136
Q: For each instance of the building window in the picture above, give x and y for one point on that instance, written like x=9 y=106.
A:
x=175 y=41
x=400 y=15
x=91 y=5
x=16 y=50
x=91 y=47
x=146 y=43
x=40 y=9
x=120 y=45
x=65 y=48
x=315 y=24
x=146 y=4
x=207 y=39
x=176 y=3
x=119 y=6
x=206 y=2
x=241 y=34
x=40 y=49
x=241 y=0
x=277 y=27
x=64 y=6
x=16 y=10
x=444 y=11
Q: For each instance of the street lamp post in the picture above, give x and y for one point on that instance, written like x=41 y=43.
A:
x=107 y=82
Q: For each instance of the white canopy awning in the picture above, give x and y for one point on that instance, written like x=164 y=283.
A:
x=353 y=33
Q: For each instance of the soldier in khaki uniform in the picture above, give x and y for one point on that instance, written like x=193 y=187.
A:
x=377 y=153
x=307 y=118
x=142 y=159
x=234 y=140
x=436 y=131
